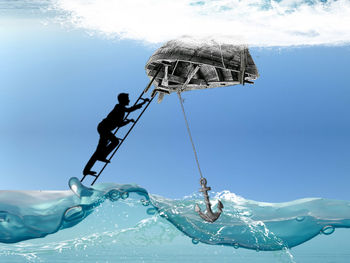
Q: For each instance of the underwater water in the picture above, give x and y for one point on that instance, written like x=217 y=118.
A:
x=125 y=222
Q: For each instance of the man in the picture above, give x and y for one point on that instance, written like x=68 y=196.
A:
x=108 y=141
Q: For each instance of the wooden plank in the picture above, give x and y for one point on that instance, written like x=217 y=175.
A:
x=190 y=76
x=224 y=83
x=235 y=76
x=176 y=79
x=177 y=62
x=219 y=74
x=175 y=88
x=165 y=80
x=201 y=75
x=243 y=64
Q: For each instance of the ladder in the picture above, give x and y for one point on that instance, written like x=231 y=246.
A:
x=132 y=126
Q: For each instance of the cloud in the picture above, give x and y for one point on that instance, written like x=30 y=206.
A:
x=255 y=22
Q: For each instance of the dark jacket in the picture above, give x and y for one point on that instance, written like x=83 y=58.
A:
x=116 y=117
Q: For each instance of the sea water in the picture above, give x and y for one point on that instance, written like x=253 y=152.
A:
x=124 y=223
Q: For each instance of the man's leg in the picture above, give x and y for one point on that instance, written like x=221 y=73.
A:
x=89 y=165
x=100 y=151
x=113 y=143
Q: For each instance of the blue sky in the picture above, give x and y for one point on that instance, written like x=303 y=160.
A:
x=284 y=138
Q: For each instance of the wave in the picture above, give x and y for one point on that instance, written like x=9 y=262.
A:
x=244 y=223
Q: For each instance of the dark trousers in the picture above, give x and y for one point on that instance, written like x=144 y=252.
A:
x=106 y=144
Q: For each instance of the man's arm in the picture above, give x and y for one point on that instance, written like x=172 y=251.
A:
x=137 y=106
x=126 y=122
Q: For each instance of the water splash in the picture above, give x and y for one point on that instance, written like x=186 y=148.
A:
x=244 y=223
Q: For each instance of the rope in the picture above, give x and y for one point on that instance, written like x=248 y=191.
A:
x=189 y=133
x=222 y=57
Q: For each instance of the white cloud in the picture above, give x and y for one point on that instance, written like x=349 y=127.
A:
x=255 y=22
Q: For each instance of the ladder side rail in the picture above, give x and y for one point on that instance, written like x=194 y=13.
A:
x=82 y=179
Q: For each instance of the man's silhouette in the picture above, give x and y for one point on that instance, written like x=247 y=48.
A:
x=108 y=141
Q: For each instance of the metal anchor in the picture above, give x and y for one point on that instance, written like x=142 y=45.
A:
x=209 y=216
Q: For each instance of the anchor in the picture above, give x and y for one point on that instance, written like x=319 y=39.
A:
x=209 y=216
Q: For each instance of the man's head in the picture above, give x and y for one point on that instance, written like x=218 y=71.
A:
x=123 y=98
